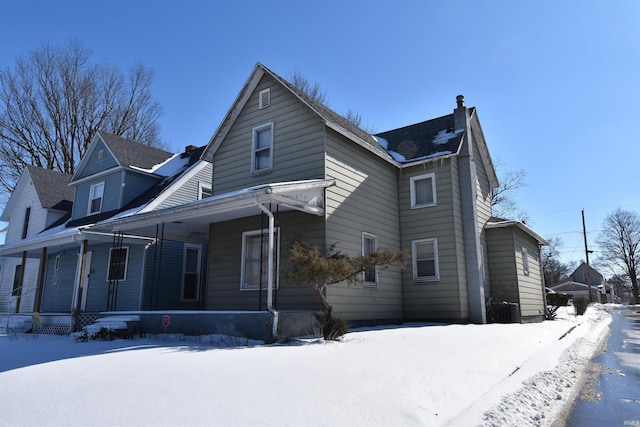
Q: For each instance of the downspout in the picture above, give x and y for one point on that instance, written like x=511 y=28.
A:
x=274 y=326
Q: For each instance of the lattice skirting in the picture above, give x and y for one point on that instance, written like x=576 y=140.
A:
x=62 y=324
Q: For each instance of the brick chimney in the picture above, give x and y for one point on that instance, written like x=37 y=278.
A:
x=460 y=115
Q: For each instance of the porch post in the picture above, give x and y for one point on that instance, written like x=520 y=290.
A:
x=83 y=261
x=21 y=281
x=41 y=274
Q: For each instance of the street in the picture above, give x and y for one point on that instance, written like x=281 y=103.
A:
x=610 y=395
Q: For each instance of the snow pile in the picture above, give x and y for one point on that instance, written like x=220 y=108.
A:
x=15 y=324
x=415 y=374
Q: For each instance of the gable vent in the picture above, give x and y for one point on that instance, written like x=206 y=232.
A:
x=264 y=98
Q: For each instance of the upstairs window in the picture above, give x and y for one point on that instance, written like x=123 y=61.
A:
x=255 y=260
x=264 y=98
x=25 y=226
x=95 y=198
x=118 y=258
x=370 y=246
x=191 y=272
x=423 y=190
x=262 y=149
x=424 y=257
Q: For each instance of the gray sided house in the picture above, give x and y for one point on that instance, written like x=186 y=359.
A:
x=576 y=285
x=87 y=271
x=286 y=169
x=41 y=198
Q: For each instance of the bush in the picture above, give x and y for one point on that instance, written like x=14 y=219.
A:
x=331 y=327
x=580 y=305
x=554 y=302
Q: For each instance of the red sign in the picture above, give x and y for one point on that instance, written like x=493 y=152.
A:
x=165 y=320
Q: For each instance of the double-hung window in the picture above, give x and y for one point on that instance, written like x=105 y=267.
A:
x=255 y=259
x=95 y=198
x=369 y=247
x=424 y=255
x=191 y=272
x=262 y=149
x=423 y=190
x=118 y=258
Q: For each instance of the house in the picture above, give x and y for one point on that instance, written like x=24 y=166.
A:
x=86 y=271
x=40 y=198
x=286 y=168
x=577 y=284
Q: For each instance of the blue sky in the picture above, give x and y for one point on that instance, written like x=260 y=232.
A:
x=554 y=82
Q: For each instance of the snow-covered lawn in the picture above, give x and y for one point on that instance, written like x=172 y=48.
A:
x=417 y=374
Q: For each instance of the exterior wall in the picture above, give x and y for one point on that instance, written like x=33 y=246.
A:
x=189 y=191
x=134 y=184
x=531 y=292
x=224 y=264
x=57 y=297
x=446 y=298
x=502 y=265
x=94 y=164
x=579 y=275
x=483 y=203
x=365 y=199
x=298 y=143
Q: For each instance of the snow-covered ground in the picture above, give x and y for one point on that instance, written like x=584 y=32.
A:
x=417 y=374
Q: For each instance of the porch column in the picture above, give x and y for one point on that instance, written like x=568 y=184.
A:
x=21 y=282
x=83 y=261
x=41 y=274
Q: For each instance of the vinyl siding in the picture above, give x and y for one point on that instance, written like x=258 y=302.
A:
x=445 y=299
x=134 y=184
x=57 y=298
x=502 y=265
x=189 y=191
x=529 y=285
x=483 y=203
x=111 y=198
x=365 y=199
x=224 y=263
x=95 y=164
x=298 y=143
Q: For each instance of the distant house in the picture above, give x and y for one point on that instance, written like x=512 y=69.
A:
x=286 y=168
x=87 y=271
x=41 y=198
x=577 y=285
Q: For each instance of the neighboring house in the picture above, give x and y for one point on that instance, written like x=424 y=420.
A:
x=286 y=168
x=576 y=285
x=86 y=271
x=41 y=198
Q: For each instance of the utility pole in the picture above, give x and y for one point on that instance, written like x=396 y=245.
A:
x=586 y=253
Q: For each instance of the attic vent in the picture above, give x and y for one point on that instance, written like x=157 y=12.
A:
x=264 y=98
x=100 y=154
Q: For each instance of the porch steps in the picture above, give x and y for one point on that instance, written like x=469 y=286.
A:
x=118 y=326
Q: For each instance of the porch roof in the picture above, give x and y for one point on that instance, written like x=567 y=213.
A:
x=189 y=222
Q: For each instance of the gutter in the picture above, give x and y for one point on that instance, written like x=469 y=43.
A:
x=274 y=325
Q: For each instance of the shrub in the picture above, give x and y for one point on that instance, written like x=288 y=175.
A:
x=581 y=305
x=554 y=302
x=331 y=327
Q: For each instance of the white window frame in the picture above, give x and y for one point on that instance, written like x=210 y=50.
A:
x=255 y=150
x=414 y=260
x=198 y=272
x=525 y=261
x=369 y=237
x=92 y=198
x=202 y=188
x=412 y=180
x=56 y=269
x=126 y=264
x=264 y=98
x=244 y=286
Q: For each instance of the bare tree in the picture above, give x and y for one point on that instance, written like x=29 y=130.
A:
x=554 y=270
x=502 y=198
x=54 y=100
x=314 y=90
x=619 y=242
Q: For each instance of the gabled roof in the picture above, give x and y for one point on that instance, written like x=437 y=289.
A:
x=127 y=153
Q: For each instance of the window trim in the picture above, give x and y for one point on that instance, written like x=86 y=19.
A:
x=412 y=189
x=91 y=198
x=25 y=224
x=56 y=269
x=525 y=261
x=263 y=92
x=369 y=236
x=186 y=248
x=414 y=260
x=126 y=264
x=201 y=188
x=256 y=130
x=276 y=259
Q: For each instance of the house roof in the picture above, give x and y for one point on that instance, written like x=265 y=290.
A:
x=495 y=222
x=134 y=154
x=52 y=188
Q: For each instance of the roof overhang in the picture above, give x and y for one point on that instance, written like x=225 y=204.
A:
x=518 y=224
x=190 y=222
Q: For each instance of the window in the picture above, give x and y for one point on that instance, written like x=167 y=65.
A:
x=423 y=191
x=95 y=198
x=262 y=151
x=191 y=272
x=56 y=270
x=370 y=246
x=424 y=254
x=25 y=226
x=255 y=259
x=525 y=260
x=100 y=154
x=118 y=258
x=264 y=98
x=204 y=191
x=16 y=281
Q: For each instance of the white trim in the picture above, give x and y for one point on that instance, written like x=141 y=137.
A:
x=243 y=285
x=254 y=133
x=126 y=263
x=92 y=198
x=412 y=184
x=414 y=260
x=369 y=236
x=198 y=272
x=202 y=187
x=264 y=95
